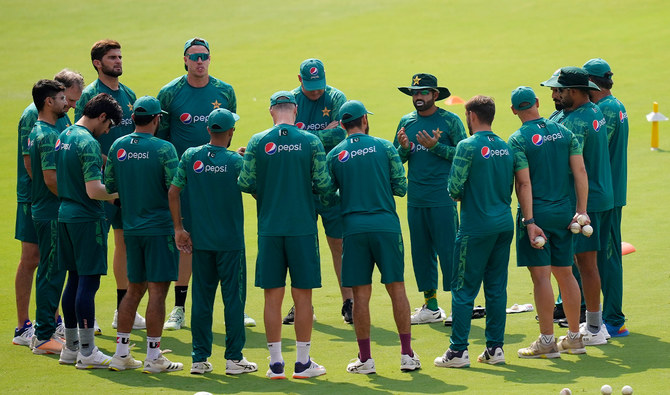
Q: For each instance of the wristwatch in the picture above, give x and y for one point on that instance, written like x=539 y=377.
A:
x=527 y=222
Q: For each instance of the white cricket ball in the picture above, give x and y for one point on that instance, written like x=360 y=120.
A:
x=203 y=393
x=565 y=391
x=606 y=389
x=575 y=228
x=539 y=241
x=587 y=230
x=627 y=390
x=581 y=218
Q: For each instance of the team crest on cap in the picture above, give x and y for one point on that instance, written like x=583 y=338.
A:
x=343 y=156
x=270 y=148
x=596 y=125
x=121 y=154
x=198 y=166
x=186 y=118
x=300 y=125
x=314 y=71
x=537 y=139
x=486 y=152
x=56 y=147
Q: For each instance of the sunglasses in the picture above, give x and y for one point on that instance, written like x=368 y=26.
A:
x=423 y=92
x=195 y=56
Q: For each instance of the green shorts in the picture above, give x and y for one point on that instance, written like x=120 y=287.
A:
x=113 y=214
x=331 y=218
x=601 y=223
x=25 y=228
x=361 y=251
x=153 y=259
x=558 y=250
x=298 y=254
x=82 y=247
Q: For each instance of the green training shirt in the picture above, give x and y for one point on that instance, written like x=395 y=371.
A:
x=26 y=123
x=78 y=161
x=41 y=143
x=283 y=167
x=216 y=201
x=587 y=123
x=544 y=147
x=124 y=96
x=140 y=167
x=314 y=116
x=188 y=109
x=428 y=169
x=482 y=176
x=368 y=172
x=617 y=136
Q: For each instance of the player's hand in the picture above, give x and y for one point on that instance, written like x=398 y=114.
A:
x=242 y=150
x=585 y=219
x=333 y=125
x=533 y=232
x=402 y=138
x=183 y=240
x=426 y=140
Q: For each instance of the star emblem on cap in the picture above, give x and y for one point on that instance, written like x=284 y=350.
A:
x=216 y=104
x=130 y=107
x=326 y=112
x=416 y=80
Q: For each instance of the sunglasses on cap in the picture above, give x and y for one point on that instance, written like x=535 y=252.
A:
x=422 y=92
x=195 y=56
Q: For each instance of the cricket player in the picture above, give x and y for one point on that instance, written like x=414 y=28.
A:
x=108 y=63
x=82 y=230
x=25 y=229
x=541 y=147
x=585 y=120
x=610 y=264
x=481 y=178
x=51 y=104
x=282 y=168
x=216 y=240
x=368 y=172
x=426 y=139
x=318 y=111
x=140 y=167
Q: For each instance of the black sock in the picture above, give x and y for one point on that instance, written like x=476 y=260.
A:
x=120 y=293
x=180 y=295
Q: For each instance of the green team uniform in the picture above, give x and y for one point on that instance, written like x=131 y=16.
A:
x=368 y=172
x=25 y=229
x=140 y=167
x=283 y=167
x=313 y=117
x=482 y=176
x=610 y=264
x=82 y=233
x=49 y=279
x=188 y=109
x=544 y=148
x=126 y=98
x=431 y=213
x=218 y=244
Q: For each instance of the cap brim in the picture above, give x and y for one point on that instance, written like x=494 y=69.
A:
x=235 y=116
x=443 y=92
x=553 y=83
x=314 y=85
x=549 y=82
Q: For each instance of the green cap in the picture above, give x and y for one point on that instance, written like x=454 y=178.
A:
x=352 y=110
x=196 y=41
x=523 y=98
x=425 y=81
x=571 y=77
x=221 y=120
x=282 y=97
x=598 y=67
x=147 y=105
x=551 y=79
x=313 y=75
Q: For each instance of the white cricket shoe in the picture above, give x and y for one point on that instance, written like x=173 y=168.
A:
x=408 y=363
x=367 y=367
x=424 y=315
x=97 y=360
x=201 y=367
x=240 y=366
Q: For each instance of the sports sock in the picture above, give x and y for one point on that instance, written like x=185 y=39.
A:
x=120 y=293
x=573 y=335
x=153 y=347
x=406 y=344
x=180 y=295
x=122 y=344
x=87 y=339
x=593 y=321
x=547 y=339
x=72 y=339
x=430 y=298
x=302 y=351
x=364 y=349
x=275 y=352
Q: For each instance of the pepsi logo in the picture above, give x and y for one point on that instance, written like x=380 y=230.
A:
x=198 y=166
x=300 y=125
x=186 y=118
x=56 y=147
x=270 y=148
x=412 y=147
x=596 y=125
x=486 y=152
x=537 y=139
x=29 y=143
x=121 y=154
x=343 y=156
x=622 y=116
x=314 y=71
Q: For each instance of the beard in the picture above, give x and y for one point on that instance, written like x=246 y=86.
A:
x=111 y=72
x=558 y=105
x=422 y=105
x=469 y=126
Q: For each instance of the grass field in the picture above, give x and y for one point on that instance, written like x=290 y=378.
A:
x=369 y=48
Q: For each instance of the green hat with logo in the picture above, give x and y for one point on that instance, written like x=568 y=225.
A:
x=523 y=98
x=352 y=110
x=598 y=67
x=571 y=77
x=196 y=41
x=282 y=97
x=147 y=105
x=313 y=75
x=425 y=81
x=221 y=120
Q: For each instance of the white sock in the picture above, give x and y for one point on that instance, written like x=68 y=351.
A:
x=275 y=352
x=547 y=339
x=122 y=344
x=153 y=347
x=302 y=349
x=573 y=335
